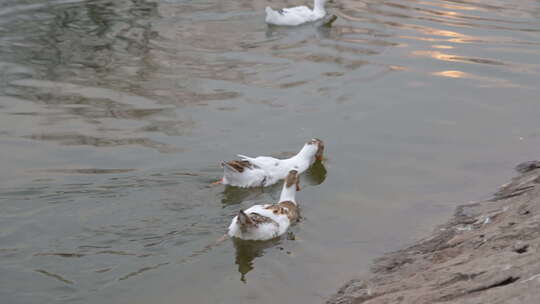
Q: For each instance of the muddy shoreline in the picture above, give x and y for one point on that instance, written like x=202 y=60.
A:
x=487 y=253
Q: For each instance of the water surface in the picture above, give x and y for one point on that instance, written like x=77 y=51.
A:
x=115 y=115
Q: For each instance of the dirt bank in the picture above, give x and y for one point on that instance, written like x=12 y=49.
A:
x=487 y=253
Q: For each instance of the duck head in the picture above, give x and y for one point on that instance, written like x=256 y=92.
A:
x=318 y=147
x=290 y=187
x=313 y=150
x=292 y=179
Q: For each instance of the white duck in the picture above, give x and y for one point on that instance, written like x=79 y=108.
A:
x=297 y=15
x=265 y=222
x=265 y=170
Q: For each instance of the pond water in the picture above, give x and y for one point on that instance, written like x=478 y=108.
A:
x=115 y=115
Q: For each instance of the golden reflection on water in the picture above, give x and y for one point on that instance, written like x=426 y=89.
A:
x=437 y=32
x=434 y=34
x=440 y=46
x=483 y=82
x=435 y=55
x=455 y=58
x=451 y=74
x=452 y=6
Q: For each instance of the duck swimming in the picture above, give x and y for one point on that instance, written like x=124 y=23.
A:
x=265 y=222
x=293 y=16
x=265 y=170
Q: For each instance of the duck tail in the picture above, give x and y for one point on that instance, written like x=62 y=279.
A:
x=244 y=219
x=227 y=168
x=229 y=173
x=234 y=169
x=243 y=157
x=271 y=14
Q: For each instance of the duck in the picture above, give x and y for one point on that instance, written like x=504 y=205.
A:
x=293 y=16
x=269 y=221
x=265 y=171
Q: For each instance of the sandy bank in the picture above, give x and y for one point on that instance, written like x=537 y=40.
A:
x=487 y=253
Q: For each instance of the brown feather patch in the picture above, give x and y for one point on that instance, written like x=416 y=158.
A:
x=320 y=148
x=276 y=209
x=292 y=178
x=287 y=208
x=260 y=219
x=253 y=220
x=240 y=165
x=292 y=208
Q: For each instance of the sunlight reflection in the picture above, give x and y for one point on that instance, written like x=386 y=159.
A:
x=485 y=82
x=455 y=58
x=452 y=6
x=451 y=74
x=434 y=34
x=448 y=14
x=436 y=55
x=440 y=46
x=455 y=36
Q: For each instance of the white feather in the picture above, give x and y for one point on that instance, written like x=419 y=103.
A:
x=250 y=177
x=265 y=231
x=266 y=170
x=297 y=15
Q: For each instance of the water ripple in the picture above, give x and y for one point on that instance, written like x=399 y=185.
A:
x=114 y=116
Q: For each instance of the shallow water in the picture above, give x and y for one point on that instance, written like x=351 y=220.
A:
x=115 y=115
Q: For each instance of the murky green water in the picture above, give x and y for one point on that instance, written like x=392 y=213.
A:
x=114 y=116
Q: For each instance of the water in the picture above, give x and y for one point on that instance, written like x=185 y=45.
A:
x=114 y=116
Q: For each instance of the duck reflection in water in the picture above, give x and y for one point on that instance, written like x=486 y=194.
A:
x=247 y=251
x=322 y=29
x=315 y=175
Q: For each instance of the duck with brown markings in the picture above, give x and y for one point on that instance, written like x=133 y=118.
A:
x=265 y=170
x=265 y=222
